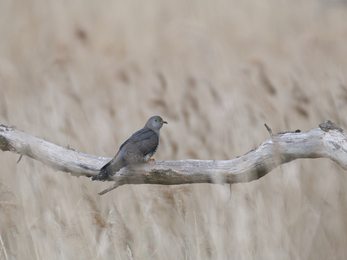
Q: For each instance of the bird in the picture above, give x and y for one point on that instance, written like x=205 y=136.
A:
x=140 y=147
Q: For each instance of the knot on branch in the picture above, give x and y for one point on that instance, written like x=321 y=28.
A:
x=4 y=144
x=328 y=125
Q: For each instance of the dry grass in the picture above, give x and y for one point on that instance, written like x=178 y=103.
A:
x=89 y=73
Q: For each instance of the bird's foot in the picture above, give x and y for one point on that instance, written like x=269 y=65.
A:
x=150 y=160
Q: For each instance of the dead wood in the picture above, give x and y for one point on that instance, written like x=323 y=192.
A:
x=328 y=141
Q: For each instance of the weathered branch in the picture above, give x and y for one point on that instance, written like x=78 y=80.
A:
x=328 y=141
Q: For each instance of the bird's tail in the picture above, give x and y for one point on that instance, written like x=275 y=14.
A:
x=103 y=175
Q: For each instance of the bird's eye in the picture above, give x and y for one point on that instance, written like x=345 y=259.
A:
x=156 y=120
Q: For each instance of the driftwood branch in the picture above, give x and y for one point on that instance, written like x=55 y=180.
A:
x=327 y=141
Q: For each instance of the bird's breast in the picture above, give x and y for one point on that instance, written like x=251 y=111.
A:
x=149 y=155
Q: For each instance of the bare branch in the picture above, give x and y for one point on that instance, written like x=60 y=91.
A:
x=268 y=129
x=279 y=149
x=57 y=157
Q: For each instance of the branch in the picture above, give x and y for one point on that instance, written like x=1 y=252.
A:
x=328 y=141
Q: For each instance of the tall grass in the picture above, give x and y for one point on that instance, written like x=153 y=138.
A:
x=89 y=73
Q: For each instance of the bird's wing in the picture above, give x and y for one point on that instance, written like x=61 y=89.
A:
x=110 y=168
x=143 y=142
x=134 y=138
x=118 y=155
x=132 y=151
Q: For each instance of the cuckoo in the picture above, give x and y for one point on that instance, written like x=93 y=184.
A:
x=140 y=147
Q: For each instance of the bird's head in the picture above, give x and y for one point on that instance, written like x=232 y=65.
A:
x=155 y=122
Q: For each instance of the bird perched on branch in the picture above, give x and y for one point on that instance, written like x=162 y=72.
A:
x=140 y=147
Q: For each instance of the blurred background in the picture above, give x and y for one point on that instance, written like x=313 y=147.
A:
x=90 y=73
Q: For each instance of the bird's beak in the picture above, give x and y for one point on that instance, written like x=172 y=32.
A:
x=163 y=122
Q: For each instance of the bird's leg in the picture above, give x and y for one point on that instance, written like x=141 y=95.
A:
x=150 y=159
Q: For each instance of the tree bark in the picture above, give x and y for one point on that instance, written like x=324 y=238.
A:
x=327 y=141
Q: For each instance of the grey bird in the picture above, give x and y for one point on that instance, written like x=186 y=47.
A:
x=140 y=147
